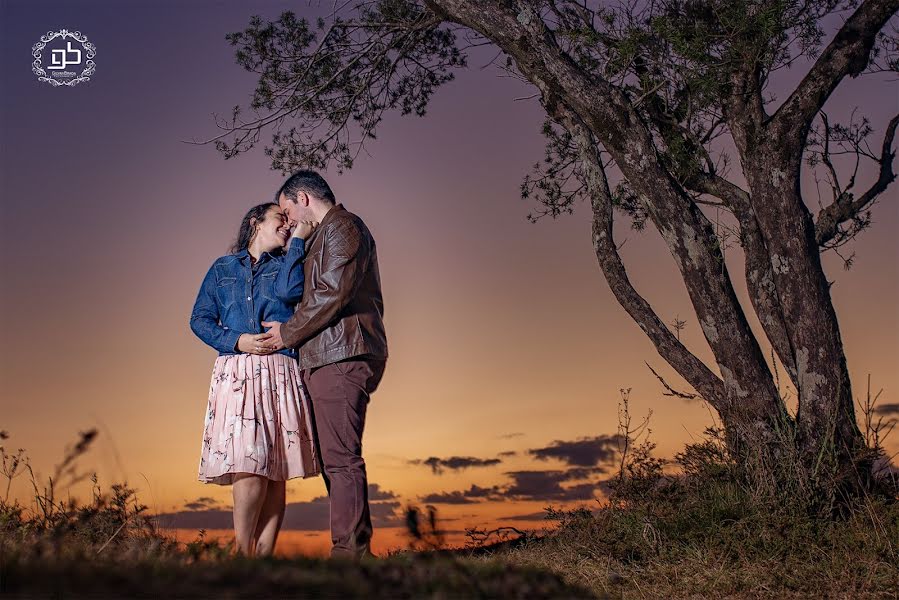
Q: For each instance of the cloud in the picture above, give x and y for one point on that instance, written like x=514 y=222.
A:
x=455 y=463
x=526 y=485
x=312 y=515
x=586 y=458
x=376 y=493
x=546 y=485
x=315 y=515
x=476 y=491
x=535 y=516
x=472 y=495
x=384 y=514
x=579 y=473
x=581 y=491
x=200 y=503
x=509 y=436
x=891 y=408
x=456 y=497
x=210 y=518
x=583 y=452
x=605 y=485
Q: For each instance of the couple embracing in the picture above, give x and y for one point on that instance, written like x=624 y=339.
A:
x=296 y=314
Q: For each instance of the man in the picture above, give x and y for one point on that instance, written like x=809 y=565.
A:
x=339 y=330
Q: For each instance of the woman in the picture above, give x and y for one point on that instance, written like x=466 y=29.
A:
x=258 y=430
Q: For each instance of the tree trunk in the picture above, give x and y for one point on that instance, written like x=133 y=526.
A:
x=750 y=422
x=789 y=287
x=828 y=431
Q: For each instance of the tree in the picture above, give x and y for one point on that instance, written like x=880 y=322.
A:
x=655 y=92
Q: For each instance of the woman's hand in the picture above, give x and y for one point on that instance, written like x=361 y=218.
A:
x=304 y=229
x=253 y=344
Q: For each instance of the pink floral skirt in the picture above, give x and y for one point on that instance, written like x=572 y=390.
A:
x=257 y=421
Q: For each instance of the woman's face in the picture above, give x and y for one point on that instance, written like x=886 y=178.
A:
x=272 y=231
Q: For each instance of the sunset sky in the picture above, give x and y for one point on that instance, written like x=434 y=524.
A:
x=506 y=345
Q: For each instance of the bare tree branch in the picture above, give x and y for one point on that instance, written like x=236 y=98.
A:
x=688 y=365
x=336 y=80
x=844 y=207
x=670 y=391
x=847 y=54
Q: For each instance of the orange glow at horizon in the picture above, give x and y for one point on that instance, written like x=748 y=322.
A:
x=503 y=335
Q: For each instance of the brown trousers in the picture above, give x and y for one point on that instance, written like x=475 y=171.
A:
x=339 y=394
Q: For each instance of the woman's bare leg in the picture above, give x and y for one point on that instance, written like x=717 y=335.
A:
x=249 y=496
x=270 y=518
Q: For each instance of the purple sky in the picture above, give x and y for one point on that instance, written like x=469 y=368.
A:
x=496 y=326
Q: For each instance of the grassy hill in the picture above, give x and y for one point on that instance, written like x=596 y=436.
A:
x=699 y=531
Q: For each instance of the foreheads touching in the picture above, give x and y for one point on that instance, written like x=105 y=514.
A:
x=305 y=196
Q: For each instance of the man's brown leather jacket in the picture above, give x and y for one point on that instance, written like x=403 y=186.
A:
x=342 y=311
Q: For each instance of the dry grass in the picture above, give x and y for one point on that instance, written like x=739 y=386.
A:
x=702 y=531
x=696 y=532
x=721 y=551
x=110 y=547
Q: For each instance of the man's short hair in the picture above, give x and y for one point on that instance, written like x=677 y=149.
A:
x=306 y=181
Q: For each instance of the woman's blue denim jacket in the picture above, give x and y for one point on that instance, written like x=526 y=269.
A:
x=235 y=299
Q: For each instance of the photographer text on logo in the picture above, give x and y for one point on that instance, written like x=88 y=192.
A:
x=69 y=55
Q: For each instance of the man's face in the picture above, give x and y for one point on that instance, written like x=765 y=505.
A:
x=290 y=210
x=295 y=211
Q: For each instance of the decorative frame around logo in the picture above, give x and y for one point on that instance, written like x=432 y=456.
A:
x=89 y=49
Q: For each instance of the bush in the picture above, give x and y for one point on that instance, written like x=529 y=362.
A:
x=701 y=530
